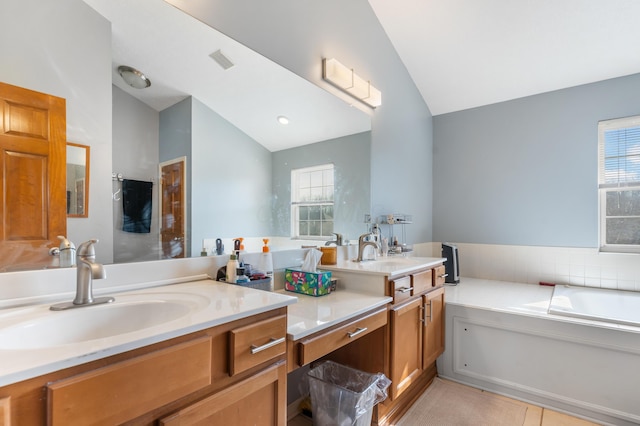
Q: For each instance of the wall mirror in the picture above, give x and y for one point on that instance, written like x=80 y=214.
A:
x=236 y=185
x=77 y=180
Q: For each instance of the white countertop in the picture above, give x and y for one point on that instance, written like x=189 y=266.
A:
x=312 y=314
x=218 y=303
x=527 y=299
x=517 y=298
x=385 y=265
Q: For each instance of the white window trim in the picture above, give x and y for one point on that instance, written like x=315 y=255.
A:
x=603 y=188
x=294 y=196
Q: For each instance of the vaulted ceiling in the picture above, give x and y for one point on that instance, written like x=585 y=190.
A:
x=460 y=53
x=468 y=53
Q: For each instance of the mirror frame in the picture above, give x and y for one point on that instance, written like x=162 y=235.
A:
x=85 y=211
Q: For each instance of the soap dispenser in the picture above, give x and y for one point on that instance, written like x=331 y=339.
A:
x=67 y=253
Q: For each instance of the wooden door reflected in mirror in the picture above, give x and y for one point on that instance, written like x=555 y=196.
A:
x=77 y=180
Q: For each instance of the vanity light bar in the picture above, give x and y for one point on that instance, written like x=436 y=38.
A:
x=348 y=81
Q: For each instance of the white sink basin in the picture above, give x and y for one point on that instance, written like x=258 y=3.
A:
x=129 y=313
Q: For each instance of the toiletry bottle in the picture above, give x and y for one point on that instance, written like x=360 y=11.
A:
x=67 y=253
x=240 y=276
x=265 y=265
x=232 y=266
x=219 y=247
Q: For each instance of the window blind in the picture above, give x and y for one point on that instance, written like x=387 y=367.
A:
x=619 y=153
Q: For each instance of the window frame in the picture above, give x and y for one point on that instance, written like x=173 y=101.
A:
x=604 y=187
x=296 y=203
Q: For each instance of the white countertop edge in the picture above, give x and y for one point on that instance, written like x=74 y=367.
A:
x=359 y=304
x=71 y=357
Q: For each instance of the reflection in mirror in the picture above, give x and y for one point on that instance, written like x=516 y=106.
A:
x=238 y=165
x=225 y=125
x=77 y=180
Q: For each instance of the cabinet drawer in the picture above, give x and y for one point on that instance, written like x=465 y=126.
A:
x=439 y=275
x=421 y=281
x=257 y=343
x=400 y=289
x=128 y=389
x=316 y=347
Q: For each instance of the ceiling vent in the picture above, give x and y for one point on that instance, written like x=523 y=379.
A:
x=222 y=60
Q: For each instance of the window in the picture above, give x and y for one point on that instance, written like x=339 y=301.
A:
x=619 y=184
x=312 y=202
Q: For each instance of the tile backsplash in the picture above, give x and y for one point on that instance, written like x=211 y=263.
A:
x=531 y=264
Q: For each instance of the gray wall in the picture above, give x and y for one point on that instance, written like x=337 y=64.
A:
x=524 y=172
x=228 y=174
x=351 y=158
x=230 y=181
x=297 y=35
x=135 y=156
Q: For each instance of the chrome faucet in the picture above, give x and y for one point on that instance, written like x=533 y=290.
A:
x=87 y=271
x=363 y=242
x=337 y=241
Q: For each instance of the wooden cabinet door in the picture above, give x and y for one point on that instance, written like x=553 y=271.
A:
x=5 y=411
x=406 y=345
x=257 y=400
x=433 y=326
x=32 y=175
x=173 y=203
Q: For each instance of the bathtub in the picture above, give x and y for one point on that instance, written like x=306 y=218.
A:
x=620 y=307
x=504 y=338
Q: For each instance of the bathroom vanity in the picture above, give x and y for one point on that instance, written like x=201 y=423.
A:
x=405 y=350
x=226 y=355
x=219 y=351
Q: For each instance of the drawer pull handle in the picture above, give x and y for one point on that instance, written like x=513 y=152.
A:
x=443 y=275
x=359 y=330
x=404 y=289
x=255 y=349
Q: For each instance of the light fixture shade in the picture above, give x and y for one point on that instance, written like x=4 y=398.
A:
x=133 y=77
x=347 y=80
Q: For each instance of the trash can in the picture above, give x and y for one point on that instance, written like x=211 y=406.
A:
x=342 y=395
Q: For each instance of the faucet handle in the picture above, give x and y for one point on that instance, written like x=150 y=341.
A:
x=87 y=249
x=364 y=237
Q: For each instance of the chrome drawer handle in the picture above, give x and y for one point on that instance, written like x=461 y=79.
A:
x=404 y=289
x=359 y=330
x=443 y=275
x=255 y=349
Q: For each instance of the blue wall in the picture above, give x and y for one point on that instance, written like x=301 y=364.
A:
x=230 y=181
x=350 y=156
x=524 y=172
x=297 y=35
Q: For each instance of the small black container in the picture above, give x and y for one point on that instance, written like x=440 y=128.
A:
x=451 y=265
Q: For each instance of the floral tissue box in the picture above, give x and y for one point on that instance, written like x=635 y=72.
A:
x=311 y=283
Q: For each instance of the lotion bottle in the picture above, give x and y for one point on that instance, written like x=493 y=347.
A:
x=266 y=260
x=232 y=266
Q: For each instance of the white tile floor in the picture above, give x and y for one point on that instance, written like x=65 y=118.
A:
x=536 y=416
